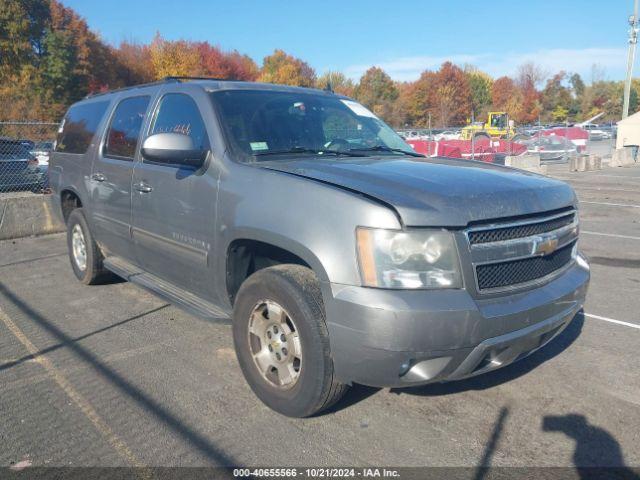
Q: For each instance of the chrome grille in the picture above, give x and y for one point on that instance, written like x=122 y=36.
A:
x=507 y=255
x=519 y=231
x=522 y=271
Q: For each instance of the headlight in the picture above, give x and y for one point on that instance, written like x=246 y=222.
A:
x=418 y=259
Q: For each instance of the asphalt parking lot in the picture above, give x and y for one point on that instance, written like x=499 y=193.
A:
x=113 y=376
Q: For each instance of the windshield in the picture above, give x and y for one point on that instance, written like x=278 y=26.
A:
x=263 y=125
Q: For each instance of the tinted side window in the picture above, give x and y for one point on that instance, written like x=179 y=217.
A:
x=79 y=126
x=178 y=113
x=124 y=130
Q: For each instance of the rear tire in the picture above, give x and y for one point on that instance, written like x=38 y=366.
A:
x=288 y=298
x=84 y=253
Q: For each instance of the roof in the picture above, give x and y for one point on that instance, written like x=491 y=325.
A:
x=630 y=120
x=214 y=84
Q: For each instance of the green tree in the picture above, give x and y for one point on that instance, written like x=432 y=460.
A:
x=577 y=84
x=480 y=85
x=378 y=92
x=59 y=60
x=22 y=27
x=559 y=114
x=556 y=94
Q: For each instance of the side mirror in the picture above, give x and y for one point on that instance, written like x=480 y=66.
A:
x=173 y=148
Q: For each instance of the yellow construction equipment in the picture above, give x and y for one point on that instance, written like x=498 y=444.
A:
x=497 y=126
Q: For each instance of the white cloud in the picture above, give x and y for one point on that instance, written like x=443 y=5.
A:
x=612 y=60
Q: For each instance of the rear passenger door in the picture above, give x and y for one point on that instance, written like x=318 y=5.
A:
x=112 y=172
x=174 y=204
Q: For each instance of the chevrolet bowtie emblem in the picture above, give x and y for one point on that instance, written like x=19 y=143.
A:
x=546 y=246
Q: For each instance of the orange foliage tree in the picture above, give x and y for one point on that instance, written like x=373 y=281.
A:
x=506 y=96
x=280 y=67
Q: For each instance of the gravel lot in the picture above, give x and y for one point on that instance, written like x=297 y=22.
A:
x=113 y=376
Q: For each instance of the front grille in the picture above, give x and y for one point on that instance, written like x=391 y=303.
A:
x=515 y=272
x=518 y=231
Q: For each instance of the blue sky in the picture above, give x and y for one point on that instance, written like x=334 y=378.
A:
x=403 y=37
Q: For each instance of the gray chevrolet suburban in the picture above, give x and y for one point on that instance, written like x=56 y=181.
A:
x=339 y=253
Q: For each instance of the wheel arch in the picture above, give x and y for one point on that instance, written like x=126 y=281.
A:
x=253 y=250
x=69 y=201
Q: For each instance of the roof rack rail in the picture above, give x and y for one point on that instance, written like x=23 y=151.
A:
x=179 y=78
x=157 y=82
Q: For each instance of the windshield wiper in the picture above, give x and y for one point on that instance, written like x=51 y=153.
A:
x=384 y=148
x=308 y=150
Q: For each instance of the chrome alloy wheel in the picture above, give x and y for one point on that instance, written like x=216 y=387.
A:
x=275 y=344
x=79 y=247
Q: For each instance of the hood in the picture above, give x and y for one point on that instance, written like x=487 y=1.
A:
x=436 y=191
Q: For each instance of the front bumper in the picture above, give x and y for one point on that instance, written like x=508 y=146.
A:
x=394 y=338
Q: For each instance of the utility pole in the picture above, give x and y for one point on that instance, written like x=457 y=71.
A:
x=473 y=137
x=633 y=41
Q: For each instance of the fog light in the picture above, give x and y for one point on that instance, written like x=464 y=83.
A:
x=404 y=368
x=425 y=370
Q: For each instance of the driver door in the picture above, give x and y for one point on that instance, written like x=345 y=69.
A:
x=173 y=205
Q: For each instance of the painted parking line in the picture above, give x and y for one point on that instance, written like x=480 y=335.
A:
x=605 y=189
x=612 y=204
x=612 y=320
x=85 y=406
x=618 y=176
x=628 y=237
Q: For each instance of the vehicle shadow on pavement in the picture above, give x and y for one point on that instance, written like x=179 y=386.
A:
x=491 y=445
x=596 y=449
x=58 y=346
x=506 y=374
x=189 y=435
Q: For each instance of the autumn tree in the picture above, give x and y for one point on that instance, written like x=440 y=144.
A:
x=453 y=101
x=228 y=65
x=377 y=91
x=285 y=69
x=337 y=82
x=134 y=63
x=506 y=96
x=556 y=98
x=174 y=58
x=419 y=99
x=529 y=76
x=22 y=28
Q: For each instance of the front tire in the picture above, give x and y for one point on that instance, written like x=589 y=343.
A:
x=282 y=342
x=84 y=253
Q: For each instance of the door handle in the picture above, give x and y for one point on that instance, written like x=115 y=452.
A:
x=98 y=177
x=143 y=187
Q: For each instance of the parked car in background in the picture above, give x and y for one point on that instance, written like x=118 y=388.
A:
x=551 y=148
x=447 y=135
x=19 y=168
x=596 y=133
x=42 y=150
x=611 y=129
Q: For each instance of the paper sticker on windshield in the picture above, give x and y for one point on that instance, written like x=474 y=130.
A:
x=358 y=109
x=258 y=146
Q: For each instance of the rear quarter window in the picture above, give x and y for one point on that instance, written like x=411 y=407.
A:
x=122 y=136
x=79 y=126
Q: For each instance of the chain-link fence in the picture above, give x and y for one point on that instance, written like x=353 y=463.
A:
x=603 y=147
x=25 y=148
x=553 y=144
